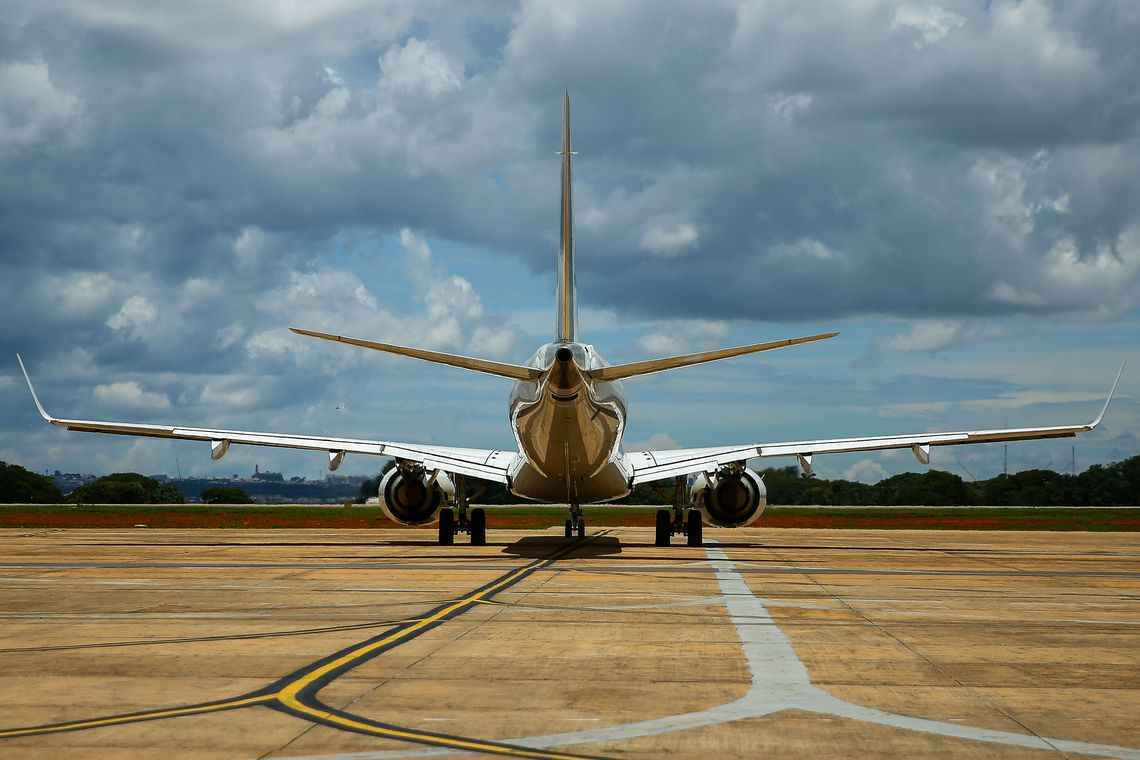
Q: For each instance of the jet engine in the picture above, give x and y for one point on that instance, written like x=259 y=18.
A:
x=732 y=497
x=411 y=495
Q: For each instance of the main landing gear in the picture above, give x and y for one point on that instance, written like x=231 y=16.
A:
x=576 y=522
x=462 y=519
x=679 y=520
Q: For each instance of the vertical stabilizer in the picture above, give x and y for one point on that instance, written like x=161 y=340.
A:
x=566 y=325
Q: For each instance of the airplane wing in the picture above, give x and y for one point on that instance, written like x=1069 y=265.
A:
x=486 y=464
x=646 y=466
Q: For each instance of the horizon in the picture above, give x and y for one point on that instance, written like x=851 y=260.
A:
x=773 y=464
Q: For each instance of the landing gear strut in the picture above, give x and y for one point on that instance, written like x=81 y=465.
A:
x=447 y=528
x=678 y=520
x=576 y=523
x=462 y=519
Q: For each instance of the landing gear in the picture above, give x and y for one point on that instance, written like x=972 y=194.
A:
x=478 y=527
x=664 y=528
x=696 y=528
x=461 y=519
x=576 y=523
x=446 y=527
x=679 y=520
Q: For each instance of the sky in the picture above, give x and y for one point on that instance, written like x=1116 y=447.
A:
x=953 y=186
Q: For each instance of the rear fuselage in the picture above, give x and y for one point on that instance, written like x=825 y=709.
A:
x=568 y=428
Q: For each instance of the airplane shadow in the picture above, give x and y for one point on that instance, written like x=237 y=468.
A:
x=539 y=547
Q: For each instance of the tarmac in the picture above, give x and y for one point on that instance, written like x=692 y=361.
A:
x=152 y=643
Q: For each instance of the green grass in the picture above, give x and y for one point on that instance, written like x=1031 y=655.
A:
x=546 y=516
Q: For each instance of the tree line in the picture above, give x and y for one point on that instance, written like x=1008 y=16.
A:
x=1115 y=484
x=20 y=486
x=1100 y=485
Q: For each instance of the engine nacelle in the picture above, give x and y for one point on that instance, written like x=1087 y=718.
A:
x=732 y=497
x=411 y=495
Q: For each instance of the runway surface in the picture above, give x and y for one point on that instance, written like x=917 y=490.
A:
x=379 y=644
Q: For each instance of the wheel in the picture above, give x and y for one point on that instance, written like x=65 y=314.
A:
x=581 y=528
x=696 y=528
x=569 y=529
x=446 y=527
x=664 y=527
x=478 y=527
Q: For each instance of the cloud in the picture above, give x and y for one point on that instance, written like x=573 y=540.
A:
x=135 y=317
x=669 y=240
x=931 y=336
x=130 y=394
x=655 y=442
x=931 y=22
x=804 y=248
x=865 y=471
x=452 y=316
x=926 y=336
x=681 y=336
x=232 y=392
x=33 y=109
x=1006 y=293
x=79 y=293
x=418 y=66
x=230 y=335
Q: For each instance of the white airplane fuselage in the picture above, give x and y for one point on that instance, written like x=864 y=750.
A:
x=568 y=428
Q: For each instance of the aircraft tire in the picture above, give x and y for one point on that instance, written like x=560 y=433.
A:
x=446 y=527
x=581 y=528
x=569 y=529
x=664 y=527
x=696 y=528
x=478 y=527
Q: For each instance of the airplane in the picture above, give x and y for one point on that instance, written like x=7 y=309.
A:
x=568 y=414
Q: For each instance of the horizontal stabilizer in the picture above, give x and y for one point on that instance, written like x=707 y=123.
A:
x=619 y=371
x=501 y=369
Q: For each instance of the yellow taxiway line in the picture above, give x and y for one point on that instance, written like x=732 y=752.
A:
x=291 y=696
x=119 y=720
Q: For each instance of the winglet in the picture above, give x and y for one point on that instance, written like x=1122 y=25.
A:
x=1111 y=393
x=43 y=412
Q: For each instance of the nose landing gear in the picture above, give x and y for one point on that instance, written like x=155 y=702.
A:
x=576 y=523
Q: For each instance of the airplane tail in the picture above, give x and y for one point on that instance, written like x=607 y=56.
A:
x=566 y=323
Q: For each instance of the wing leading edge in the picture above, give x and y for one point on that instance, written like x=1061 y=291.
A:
x=493 y=465
x=646 y=466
